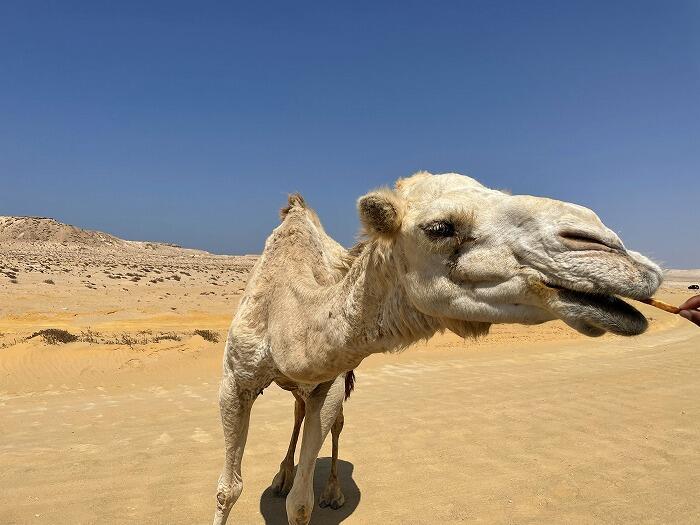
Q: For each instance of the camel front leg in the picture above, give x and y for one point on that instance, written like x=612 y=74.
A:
x=235 y=404
x=282 y=483
x=322 y=409
x=332 y=496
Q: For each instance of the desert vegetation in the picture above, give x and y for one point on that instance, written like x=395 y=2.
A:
x=207 y=335
x=54 y=336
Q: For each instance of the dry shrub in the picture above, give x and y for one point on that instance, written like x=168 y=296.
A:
x=169 y=336
x=54 y=336
x=208 y=335
x=126 y=339
x=90 y=336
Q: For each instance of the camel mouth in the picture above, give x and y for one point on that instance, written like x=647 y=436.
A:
x=593 y=314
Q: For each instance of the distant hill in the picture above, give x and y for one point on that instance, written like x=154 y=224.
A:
x=36 y=230
x=682 y=278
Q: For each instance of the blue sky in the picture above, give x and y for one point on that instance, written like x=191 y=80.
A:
x=190 y=122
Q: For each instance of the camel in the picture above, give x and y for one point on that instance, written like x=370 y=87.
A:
x=440 y=252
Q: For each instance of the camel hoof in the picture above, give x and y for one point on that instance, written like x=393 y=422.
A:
x=283 y=481
x=332 y=497
x=300 y=516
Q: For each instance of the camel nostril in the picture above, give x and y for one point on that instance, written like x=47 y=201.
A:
x=577 y=240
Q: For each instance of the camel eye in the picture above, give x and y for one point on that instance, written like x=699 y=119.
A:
x=439 y=229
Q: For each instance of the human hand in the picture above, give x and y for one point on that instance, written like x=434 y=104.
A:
x=689 y=310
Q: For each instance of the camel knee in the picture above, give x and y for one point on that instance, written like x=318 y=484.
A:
x=227 y=494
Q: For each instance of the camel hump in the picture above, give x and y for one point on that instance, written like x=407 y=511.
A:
x=294 y=199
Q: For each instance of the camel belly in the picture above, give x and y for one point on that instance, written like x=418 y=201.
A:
x=303 y=376
x=286 y=384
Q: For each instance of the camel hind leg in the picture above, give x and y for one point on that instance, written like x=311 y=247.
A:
x=332 y=496
x=282 y=483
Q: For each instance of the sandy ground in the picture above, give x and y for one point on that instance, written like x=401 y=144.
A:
x=530 y=425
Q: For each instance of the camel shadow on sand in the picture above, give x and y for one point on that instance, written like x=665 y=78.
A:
x=272 y=506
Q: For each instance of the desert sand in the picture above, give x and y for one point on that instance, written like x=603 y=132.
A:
x=529 y=425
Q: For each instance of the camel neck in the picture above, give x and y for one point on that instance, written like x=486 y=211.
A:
x=369 y=305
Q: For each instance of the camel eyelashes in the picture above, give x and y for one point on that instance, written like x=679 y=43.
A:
x=439 y=229
x=442 y=230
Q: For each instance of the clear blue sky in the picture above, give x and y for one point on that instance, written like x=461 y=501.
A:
x=190 y=121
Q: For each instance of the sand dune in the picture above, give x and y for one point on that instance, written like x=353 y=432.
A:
x=530 y=425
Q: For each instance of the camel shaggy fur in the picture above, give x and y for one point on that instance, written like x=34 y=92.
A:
x=441 y=252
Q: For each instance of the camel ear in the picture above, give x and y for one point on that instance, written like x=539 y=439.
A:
x=381 y=212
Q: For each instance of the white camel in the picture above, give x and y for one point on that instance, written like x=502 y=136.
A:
x=441 y=252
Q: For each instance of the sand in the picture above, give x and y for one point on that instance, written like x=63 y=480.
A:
x=530 y=425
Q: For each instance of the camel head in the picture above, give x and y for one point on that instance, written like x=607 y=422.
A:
x=466 y=253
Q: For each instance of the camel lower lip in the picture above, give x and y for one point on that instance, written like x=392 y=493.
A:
x=598 y=313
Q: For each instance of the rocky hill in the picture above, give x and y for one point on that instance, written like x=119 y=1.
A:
x=40 y=230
